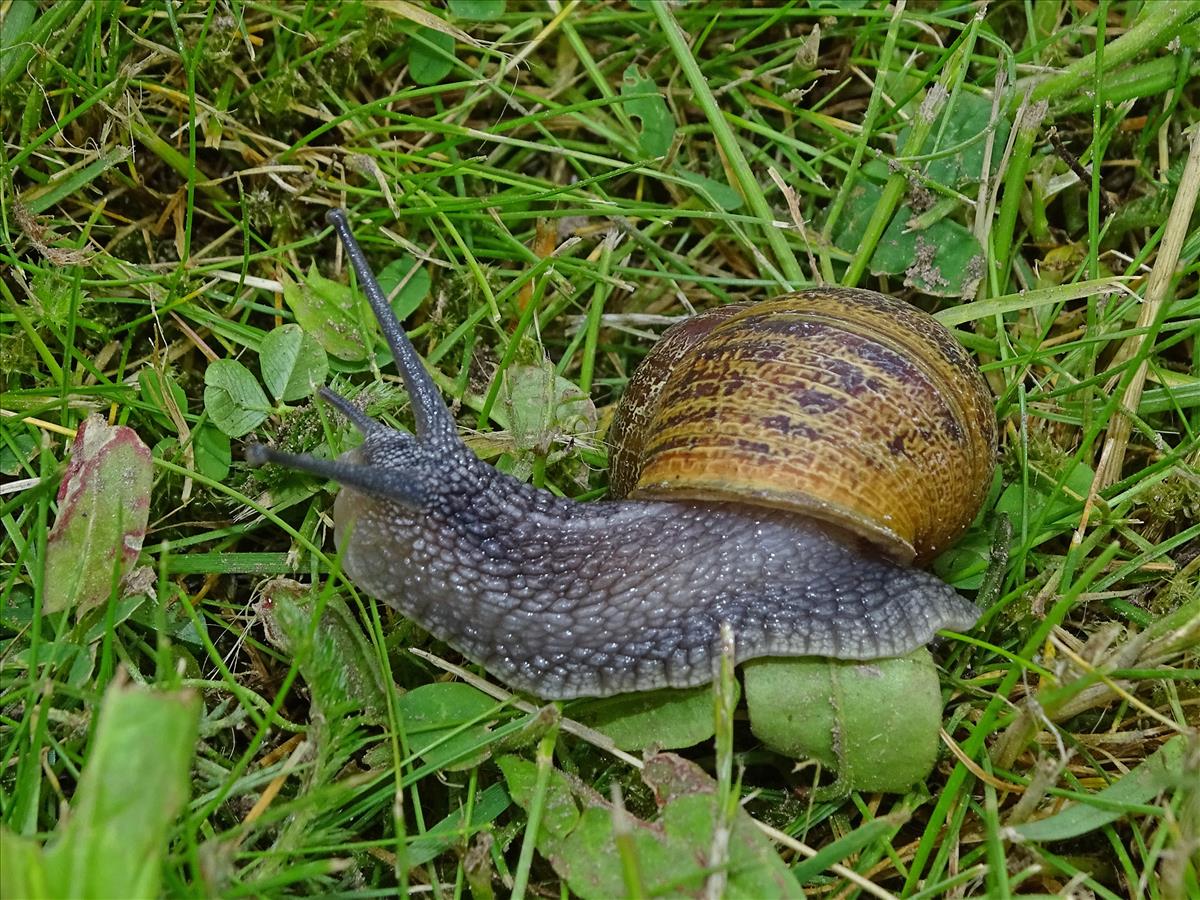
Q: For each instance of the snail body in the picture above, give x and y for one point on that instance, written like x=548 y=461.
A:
x=565 y=599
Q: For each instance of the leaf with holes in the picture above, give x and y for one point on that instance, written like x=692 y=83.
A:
x=645 y=102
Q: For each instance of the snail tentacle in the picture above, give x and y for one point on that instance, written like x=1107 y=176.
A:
x=433 y=418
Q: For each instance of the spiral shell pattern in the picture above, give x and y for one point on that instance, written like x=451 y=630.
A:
x=843 y=404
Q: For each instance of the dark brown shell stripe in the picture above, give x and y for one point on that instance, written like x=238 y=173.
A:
x=840 y=403
x=639 y=403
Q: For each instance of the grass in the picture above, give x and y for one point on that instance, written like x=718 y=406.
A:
x=550 y=184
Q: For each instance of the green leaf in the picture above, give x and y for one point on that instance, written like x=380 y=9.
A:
x=134 y=785
x=293 y=364
x=22 y=866
x=477 y=10
x=1162 y=770
x=560 y=814
x=18 y=453
x=717 y=193
x=860 y=838
x=13 y=25
x=451 y=831
x=430 y=56
x=1040 y=505
x=658 y=125
x=943 y=259
x=965 y=564
x=43 y=197
x=325 y=310
x=963 y=126
x=875 y=723
x=434 y=720
x=538 y=407
x=56 y=654
x=213 y=453
x=416 y=286
x=233 y=399
x=163 y=395
x=103 y=506
x=672 y=855
x=669 y=718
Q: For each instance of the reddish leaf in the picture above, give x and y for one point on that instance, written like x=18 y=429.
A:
x=103 y=504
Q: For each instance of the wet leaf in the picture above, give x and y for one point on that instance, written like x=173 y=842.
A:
x=293 y=364
x=234 y=401
x=103 y=505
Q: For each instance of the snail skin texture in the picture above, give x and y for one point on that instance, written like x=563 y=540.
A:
x=565 y=599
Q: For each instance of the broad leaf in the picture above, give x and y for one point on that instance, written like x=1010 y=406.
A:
x=874 y=723
x=436 y=718
x=430 y=56
x=325 y=310
x=235 y=402
x=415 y=286
x=477 y=10
x=134 y=784
x=668 y=719
x=658 y=125
x=293 y=364
x=103 y=506
x=671 y=856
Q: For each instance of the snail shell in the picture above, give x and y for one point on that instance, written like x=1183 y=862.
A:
x=846 y=405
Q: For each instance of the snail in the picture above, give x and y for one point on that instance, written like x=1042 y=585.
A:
x=564 y=599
